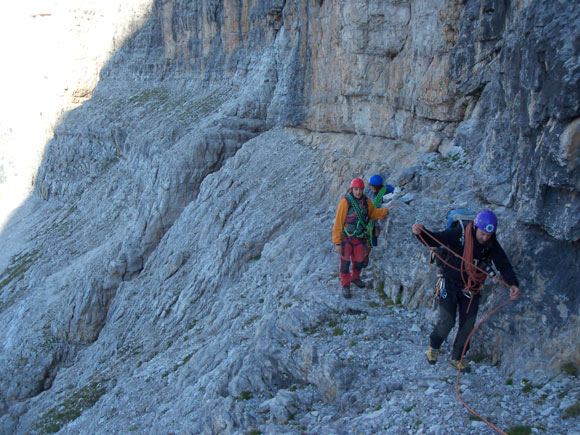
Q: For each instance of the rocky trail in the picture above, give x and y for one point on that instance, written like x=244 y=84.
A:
x=396 y=391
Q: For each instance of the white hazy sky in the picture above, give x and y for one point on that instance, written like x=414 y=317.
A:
x=50 y=48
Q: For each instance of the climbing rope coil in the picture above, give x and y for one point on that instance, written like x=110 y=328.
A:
x=475 y=279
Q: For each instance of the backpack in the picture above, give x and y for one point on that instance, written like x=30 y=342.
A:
x=455 y=217
x=461 y=217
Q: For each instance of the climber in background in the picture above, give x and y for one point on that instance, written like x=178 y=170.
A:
x=350 y=233
x=375 y=192
x=476 y=244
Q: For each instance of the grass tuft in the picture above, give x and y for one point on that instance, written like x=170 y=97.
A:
x=572 y=411
x=519 y=430
x=71 y=408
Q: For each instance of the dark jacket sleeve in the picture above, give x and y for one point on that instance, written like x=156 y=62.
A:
x=503 y=264
x=449 y=237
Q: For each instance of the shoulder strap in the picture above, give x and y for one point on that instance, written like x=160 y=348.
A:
x=462 y=239
x=379 y=198
x=357 y=209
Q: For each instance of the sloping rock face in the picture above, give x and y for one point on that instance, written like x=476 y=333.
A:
x=174 y=267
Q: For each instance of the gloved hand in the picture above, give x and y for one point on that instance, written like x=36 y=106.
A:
x=514 y=292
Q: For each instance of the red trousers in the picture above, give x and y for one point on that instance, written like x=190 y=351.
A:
x=353 y=249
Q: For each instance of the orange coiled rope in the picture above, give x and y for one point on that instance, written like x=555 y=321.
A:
x=474 y=275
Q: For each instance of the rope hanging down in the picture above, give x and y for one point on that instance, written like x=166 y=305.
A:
x=474 y=274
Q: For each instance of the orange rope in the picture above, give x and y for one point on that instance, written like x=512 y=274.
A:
x=463 y=260
x=461 y=362
x=495 y=278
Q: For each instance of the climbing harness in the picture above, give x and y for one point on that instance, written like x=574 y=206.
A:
x=440 y=292
x=361 y=222
x=465 y=346
x=475 y=275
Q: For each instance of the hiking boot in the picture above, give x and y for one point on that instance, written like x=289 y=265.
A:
x=346 y=291
x=359 y=283
x=432 y=355
x=464 y=366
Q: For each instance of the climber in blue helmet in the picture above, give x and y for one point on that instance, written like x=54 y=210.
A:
x=375 y=191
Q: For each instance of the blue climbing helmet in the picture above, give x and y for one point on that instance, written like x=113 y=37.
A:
x=486 y=221
x=376 y=180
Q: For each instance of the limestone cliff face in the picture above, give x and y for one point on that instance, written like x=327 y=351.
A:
x=183 y=212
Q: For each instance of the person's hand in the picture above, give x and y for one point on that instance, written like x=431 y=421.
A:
x=417 y=228
x=338 y=249
x=514 y=292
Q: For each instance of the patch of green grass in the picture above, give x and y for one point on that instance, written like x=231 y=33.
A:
x=381 y=291
x=528 y=386
x=475 y=418
x=254 y=432
x=252 y=320
x=71 y=407
x=519 y=430
x=569 y=368
x=309 y=330
x=244 y=395
x=109 y=161
x=184 y=106
x=333 y=277
x=337 y=331
x=14 y=273
x=509 y=381
x=449 y=160
x=572 y=411
x=182 y=363
x=332 y=323
x=19 y=265
x=410 y=408
x=151 y=96
x=478 y=358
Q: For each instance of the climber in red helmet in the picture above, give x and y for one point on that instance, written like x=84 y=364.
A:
x=350 y=233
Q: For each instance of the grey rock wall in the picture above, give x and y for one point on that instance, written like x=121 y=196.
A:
x=175 y=259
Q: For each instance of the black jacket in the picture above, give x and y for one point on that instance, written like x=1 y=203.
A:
x=491 y=249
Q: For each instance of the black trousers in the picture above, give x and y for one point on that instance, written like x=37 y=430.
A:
x=455 y=302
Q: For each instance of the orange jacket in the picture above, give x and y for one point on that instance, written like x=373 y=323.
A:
x=341 y=212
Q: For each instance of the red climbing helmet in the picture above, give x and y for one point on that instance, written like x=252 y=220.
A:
x=357 y=182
